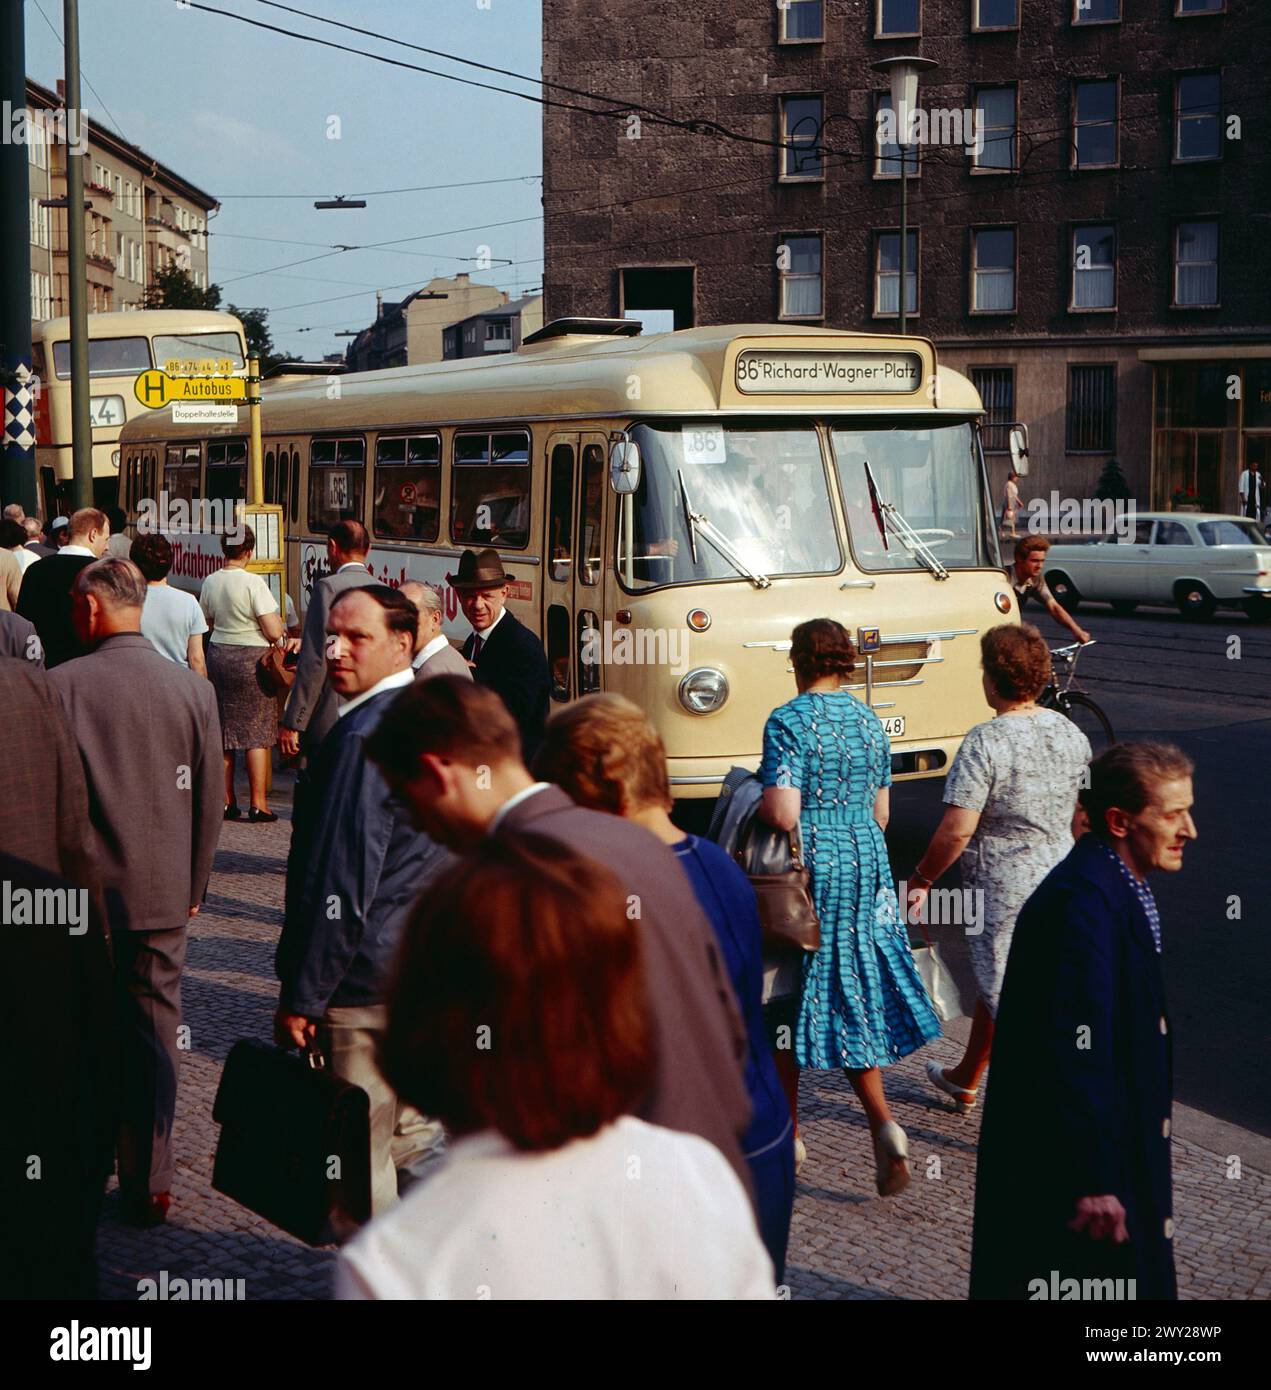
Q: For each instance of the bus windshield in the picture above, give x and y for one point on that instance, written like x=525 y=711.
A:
x=759 y=488
x=932 y=477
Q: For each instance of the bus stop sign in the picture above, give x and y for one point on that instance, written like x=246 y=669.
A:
x=155 y=388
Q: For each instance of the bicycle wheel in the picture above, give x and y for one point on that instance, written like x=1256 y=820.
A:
x=1089 y=718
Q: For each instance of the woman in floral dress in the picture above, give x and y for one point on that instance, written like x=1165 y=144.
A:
x=827 y=771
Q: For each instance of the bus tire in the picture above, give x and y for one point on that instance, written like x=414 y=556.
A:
x=1065 y=591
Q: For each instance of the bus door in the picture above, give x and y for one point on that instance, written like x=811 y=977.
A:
x=282 y=489
x=573 y=562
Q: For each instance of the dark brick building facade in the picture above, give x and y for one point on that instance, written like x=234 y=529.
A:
x=1101 y=266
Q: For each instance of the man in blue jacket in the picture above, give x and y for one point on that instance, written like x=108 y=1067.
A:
x=1073 y=1195
x=355 y=869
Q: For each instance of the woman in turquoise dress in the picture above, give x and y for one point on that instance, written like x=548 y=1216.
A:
x=827 y=770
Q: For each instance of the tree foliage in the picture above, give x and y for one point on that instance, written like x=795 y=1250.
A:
x=260 y=342
x=174 y=288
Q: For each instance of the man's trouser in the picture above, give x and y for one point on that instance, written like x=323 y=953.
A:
x=349 y=1038
x=148 y=1007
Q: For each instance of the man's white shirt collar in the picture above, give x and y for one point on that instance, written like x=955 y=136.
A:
x=351 y=565
x=484 y=633
x=77 y=550
x=430 y=649
x=516 y=800
x=393 y=682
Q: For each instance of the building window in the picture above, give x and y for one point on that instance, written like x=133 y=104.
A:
x=1182 y=8
x=898 y=18
x=41 y=299
x=800 y=135
x=799 y=265
x=1092 y=394
x=1094 y=268
x=39 y=224
x=1096 y=11
x=995 y=14
x=1196 y=265
x=1094 y=125
x=995 y=118
x=887 y=153
x=37 y=136
x=993 y=270
x=801 y=21
x=500 y=329
x=996 y=388
x=1197 y=134
x=887 y=274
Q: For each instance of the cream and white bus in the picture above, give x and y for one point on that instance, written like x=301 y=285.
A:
x=120 y=348
x=668 y=507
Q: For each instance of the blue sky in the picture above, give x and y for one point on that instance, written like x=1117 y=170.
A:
x=238 y=110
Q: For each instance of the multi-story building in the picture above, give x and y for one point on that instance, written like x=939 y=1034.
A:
x=1089 y=228
x=494 y=330
x=410 y=332
x=141 y=216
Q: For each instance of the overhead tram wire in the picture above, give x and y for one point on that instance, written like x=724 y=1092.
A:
x=381 y=192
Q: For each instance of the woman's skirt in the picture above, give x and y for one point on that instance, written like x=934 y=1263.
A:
x=249 y=717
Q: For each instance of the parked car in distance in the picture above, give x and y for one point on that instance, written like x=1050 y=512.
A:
x=1197 y=561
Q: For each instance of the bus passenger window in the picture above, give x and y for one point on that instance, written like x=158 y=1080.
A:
x=337 y=469
x=558 y=652
x=284 y=497
x=227 y=470
x=271 y=478
x=181 y=472
x=295 y=487
x=490 y=490
x=590 y=513
x=561 y=510
x=408 y=488
x=588 y=652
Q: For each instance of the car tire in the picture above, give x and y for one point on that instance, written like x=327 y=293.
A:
x=1257 y=610
x=1123 y=607
x=1194 y=600
x=1065 y=591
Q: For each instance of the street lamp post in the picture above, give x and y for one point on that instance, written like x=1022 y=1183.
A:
x=903 y=72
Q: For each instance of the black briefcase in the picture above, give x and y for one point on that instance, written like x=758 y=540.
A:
x=295 y=1143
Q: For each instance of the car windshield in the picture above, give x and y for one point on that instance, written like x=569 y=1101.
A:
x=1231 y=533
x=720 y=501
x=933 y=479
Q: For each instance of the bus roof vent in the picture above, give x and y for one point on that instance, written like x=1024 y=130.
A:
x=589 y=328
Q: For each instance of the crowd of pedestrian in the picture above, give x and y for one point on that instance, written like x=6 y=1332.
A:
x=577 y=1031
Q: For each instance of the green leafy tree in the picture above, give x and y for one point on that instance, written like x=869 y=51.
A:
x=174 y=288
x=260 y=343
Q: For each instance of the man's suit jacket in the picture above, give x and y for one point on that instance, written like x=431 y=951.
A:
x=1079 y=1091
x=445 y=661
x=44 y=811
x=514 y=665
x=150 y=742
x=698 y=1032
x=10 y=581
x=18 y=638
x=45 y=600
x=351 y=844
x=311 y=705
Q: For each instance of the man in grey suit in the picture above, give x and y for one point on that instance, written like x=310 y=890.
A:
x=450 y=750
x=311 y=706
x=150 y=742
x=434 y=655
x=19 y=638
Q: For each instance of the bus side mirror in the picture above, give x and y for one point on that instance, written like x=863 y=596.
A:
x=1018 y=437
x=624 y=467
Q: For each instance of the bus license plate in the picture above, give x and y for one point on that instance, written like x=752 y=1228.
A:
x=894 y=726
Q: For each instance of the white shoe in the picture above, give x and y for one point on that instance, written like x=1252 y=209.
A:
x=891 y=1160
x=964 y=1098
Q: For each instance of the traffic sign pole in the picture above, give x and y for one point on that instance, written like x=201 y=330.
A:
x=256 y=461
x=77 y=271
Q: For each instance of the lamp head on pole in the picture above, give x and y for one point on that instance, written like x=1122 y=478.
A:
x=903 y=72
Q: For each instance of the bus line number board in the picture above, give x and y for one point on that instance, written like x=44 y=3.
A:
x=828 y=373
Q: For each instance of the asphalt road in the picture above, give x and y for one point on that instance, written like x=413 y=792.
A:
x=1206 y=687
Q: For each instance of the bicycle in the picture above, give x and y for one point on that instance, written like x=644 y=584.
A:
x=1073 y=702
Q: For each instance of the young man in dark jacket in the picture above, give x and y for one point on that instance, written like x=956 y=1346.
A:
x=355 y=869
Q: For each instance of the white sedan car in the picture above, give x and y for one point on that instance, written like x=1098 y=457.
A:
x=1197 y=561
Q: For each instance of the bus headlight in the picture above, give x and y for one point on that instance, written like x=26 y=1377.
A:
x=703 y=690
x=1002 y=602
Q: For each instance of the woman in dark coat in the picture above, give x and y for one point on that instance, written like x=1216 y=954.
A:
x=1073 y=1183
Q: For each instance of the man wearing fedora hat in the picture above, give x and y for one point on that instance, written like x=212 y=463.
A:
x=505 y=655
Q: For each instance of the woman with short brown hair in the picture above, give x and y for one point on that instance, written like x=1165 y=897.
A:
x=518 y=1018
x=1010 y=800
x=608 y=757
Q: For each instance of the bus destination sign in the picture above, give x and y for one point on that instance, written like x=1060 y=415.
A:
x=827 y=373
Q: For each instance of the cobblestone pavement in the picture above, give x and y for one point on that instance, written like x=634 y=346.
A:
x=845 y=1241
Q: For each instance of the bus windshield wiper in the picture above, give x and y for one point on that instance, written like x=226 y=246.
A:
x=901 y=529
x=696 y=522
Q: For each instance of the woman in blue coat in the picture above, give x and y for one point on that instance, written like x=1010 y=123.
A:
x=608 y=757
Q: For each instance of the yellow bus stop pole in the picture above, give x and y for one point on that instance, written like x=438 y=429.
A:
x=256 y=483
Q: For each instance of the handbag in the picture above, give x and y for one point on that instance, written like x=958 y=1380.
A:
x=773 y=862
x=295 y=1142
x=276 y=671
x=937 y=980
